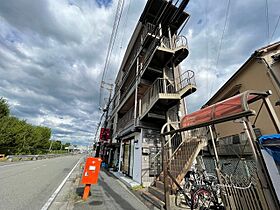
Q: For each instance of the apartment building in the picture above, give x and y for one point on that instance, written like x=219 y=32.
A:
x=149 y=89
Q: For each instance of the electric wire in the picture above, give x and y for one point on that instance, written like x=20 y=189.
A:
x=111 y=45
x=275 y=28
x=113 y=42
x=220 y=44
x=125 y=22
x=207 y=45
x=267 y=20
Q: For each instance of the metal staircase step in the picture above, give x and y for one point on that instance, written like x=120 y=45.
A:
x=160 y=185
x=156 y=192
x=187 y=90
x=153 y=199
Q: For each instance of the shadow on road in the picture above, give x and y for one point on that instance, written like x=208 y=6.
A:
x=118 y=199
x=80 y=191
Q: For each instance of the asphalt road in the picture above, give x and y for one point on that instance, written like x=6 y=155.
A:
x=28 y=185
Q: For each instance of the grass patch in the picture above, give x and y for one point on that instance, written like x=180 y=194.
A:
x=139 y=187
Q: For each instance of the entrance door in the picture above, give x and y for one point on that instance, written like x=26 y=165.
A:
x=126 y=157
x=131 y=162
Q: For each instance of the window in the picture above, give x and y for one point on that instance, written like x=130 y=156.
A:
x=235 y=139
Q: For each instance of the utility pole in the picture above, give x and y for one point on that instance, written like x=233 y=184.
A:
x=50 y=148
x=108 y=87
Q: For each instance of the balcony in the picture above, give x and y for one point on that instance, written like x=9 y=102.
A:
x=163 y=94
x=181 y=50
x=126 y=120
x=141 y=42
x=147 y=34
x=164 y=52
x=187 y=84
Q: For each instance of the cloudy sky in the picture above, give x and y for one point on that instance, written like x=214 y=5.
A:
x=52 y=54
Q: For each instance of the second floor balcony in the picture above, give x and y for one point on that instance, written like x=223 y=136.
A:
x=163 y=94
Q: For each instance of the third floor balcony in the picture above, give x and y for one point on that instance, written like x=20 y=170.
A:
x=164 y=52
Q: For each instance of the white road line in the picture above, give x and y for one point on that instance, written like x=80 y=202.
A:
x=51 y=199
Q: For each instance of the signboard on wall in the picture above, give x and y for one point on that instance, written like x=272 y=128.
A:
x=104 y=134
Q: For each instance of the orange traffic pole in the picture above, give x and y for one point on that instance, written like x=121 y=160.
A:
x=86 y=192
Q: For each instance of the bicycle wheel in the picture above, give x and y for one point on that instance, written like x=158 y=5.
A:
x=202 y=199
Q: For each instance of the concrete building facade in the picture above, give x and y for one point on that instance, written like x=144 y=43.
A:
x=149 y=89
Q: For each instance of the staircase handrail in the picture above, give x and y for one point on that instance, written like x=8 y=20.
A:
x=164 y=146
x=199 y=137
x=186 y=78
x=165 y=42
x=167 y=124
x=181 y=41
x=156 y=88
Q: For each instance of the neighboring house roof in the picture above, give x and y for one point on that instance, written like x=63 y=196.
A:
x=257 y=53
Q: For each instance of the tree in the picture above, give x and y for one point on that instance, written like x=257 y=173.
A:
x=4 y=108
x=56 y=145
x=67 y=144
x=19 y=137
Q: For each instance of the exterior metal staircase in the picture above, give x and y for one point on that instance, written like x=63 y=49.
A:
x=179 y=164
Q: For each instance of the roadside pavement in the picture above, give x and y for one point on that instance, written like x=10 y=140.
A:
x=109 y=193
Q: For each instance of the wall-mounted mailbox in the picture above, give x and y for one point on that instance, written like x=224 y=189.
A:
x=145 y=151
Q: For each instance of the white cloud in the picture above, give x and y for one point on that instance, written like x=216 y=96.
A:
x=52 y=54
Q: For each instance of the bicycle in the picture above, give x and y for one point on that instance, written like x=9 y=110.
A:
x=207 y=197
x=193 y=181
x=183 y=196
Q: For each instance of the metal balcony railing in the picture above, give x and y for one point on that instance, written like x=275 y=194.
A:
x=187 y=78
x=149 y=53
x=181 y=41
x=159 y=86
x=148 y=29
x=166 y=86
x=126 y=120
x=126 y=90
x=133 y=54
x=165 y=43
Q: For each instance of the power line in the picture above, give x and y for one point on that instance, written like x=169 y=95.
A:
x=207 y=45
x=118 y=15
x=221 y=41
x=125 y=25
x=275 y=28
x=267 y=20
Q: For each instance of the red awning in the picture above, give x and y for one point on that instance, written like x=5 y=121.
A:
x=226 y=109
